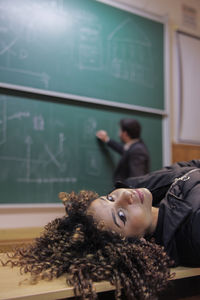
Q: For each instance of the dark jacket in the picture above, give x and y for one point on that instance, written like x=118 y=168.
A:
x=133 y=162
x=176 y=190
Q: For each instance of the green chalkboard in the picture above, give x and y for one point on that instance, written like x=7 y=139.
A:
x=48 y=147
x=82 y=47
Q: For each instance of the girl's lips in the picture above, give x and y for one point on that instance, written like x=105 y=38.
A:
x=141 y=195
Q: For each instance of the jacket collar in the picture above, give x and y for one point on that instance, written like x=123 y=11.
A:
x=129 y=144
x=174 y=208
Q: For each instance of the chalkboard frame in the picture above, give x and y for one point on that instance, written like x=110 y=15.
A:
x=62 y=96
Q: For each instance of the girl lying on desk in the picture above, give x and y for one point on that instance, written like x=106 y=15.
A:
x=120 y=237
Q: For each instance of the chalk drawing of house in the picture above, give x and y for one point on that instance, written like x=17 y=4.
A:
x=130 y=54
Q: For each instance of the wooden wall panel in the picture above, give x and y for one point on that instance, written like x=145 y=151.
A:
x=183 y=152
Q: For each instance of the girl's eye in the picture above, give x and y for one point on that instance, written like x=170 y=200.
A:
x=122 y=216
x=110 y=198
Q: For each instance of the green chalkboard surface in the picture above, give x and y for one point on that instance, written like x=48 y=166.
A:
x=48 y=147
x=82 y=47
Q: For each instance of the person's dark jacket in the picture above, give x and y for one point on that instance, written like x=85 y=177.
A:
x=134 y=161
x=176 y=190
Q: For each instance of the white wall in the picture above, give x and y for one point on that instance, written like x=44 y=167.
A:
x=32 y=217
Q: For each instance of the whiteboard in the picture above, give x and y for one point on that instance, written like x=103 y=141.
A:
x=189 y=85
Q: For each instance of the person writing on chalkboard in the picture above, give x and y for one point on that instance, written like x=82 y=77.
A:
x=135 y=158
x=121 y=237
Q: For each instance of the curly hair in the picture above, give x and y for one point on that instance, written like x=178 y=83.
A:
x=86 y=253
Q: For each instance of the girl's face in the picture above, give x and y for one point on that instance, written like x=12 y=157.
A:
x=126 y=211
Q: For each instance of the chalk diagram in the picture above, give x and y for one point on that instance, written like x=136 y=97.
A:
x=93 y=162
x=128 y=52
x=89 y=128
x=12 y=32
x=90 y=48
x=28 y=164
x=130 y=55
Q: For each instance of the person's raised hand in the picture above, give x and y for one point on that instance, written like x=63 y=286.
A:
x=102 y=135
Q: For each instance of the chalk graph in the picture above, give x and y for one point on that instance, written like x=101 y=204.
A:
x=28 y=162
x=40 y=156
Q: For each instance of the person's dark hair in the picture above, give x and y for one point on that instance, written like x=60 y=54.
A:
x=132 y=127
x=87 y=253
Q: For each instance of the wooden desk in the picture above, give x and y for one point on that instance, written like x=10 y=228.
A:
x=57 y=288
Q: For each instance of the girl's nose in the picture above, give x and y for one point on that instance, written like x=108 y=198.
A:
x=126 y=197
